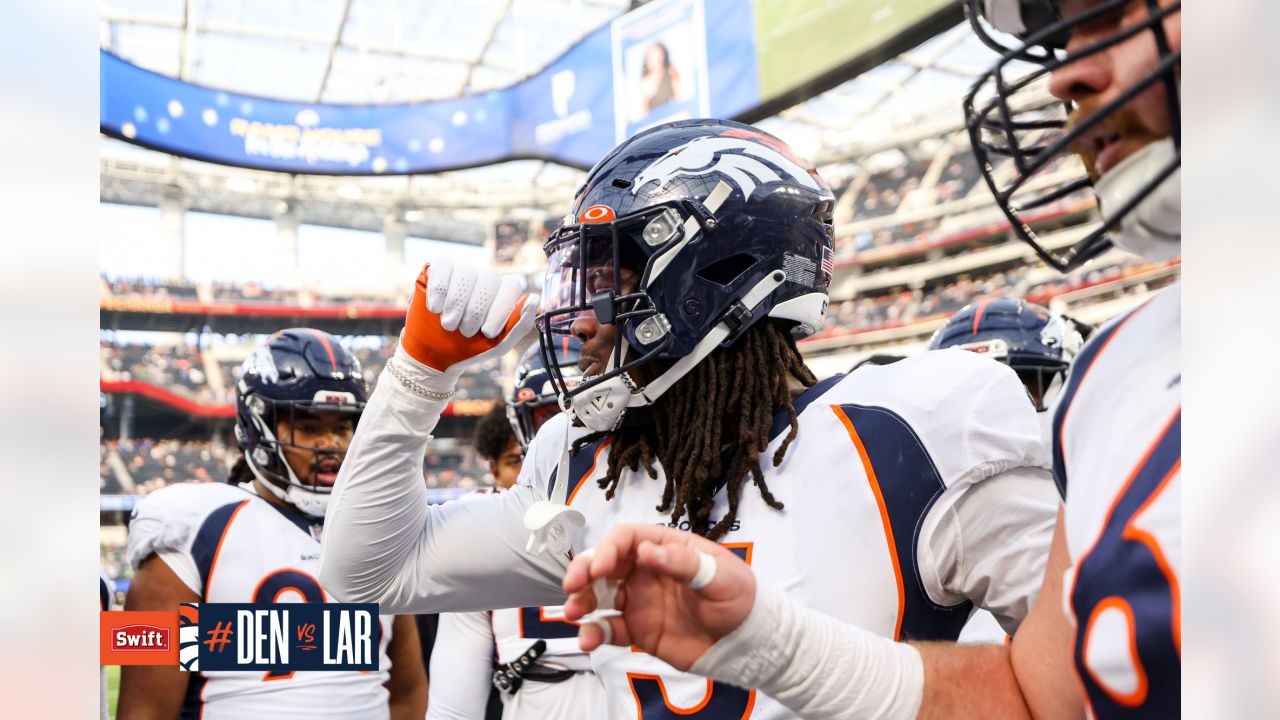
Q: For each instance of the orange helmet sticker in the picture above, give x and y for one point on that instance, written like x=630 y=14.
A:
x=597 y=213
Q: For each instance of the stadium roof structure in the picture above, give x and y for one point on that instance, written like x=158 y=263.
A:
x=388 y=51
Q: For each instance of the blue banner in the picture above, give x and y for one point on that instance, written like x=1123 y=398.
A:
x=669 y=59
x=279 y=638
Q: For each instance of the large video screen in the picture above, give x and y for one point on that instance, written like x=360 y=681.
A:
x=664 y=61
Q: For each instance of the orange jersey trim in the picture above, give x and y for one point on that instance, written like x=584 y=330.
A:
x=884 y=517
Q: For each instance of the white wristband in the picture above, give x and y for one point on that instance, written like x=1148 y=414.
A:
x=815 y=665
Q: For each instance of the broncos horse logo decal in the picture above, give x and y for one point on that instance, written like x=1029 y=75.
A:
x=744 y=162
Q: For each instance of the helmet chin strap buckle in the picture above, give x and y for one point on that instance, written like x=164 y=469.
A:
x=600 y=409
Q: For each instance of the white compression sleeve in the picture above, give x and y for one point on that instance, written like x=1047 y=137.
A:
x=460 y=667
x=815 y=665
x=383 y=543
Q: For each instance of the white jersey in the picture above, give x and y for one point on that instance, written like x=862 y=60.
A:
x=462 y=665
x=229 y=545
x=468 y=643
x=889 y=464
x=1117 y=436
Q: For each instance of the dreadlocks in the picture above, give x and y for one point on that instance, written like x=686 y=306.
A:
x=710 y=428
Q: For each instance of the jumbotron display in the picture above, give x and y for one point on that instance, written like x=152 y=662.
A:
x=668 y=60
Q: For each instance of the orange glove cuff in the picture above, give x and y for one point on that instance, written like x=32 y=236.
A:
x=430 y=344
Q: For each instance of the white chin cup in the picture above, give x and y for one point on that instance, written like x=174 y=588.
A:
x=1153 y=228
x=308 y=503
x=601 y=408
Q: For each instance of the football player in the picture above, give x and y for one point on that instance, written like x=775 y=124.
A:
x=542 y=673
x=1104 y=637
x=696 y=254
x=496 y=443
x=1038 y=344
x=106 y=594
x=257 y=539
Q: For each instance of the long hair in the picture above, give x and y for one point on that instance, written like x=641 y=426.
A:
x=240 y=472
x=710 y=428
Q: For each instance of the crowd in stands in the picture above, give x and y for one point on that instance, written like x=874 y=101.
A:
x=889 y=193
x=254 y=293
x=151 y=464
x=241 y=292
x=180 y=368
x=902 y=307
x=148 y=288
x=885 y=191
x=465 y=470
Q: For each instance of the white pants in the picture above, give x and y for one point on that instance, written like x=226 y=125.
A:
x=581 y=696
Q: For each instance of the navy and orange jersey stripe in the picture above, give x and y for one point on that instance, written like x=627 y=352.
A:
x=582 y=465
x=782 y=420
x=1126 y=568
x=906 y=484
x=208 y=541
x=1079 y=369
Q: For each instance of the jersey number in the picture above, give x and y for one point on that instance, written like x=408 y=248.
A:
x=280 y=582
x=534 y=625
x=721 y=702
x=1126 y=599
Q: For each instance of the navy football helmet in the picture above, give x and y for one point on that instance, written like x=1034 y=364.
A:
x=720 y=225
x=533 y=398
x=1009 y=117
x=1036 y=342
x=298 y=369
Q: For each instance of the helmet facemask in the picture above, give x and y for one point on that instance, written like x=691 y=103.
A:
x=267 y=458
x=584 y=277
x=1021 y=136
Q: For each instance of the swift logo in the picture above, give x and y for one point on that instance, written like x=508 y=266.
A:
x=743 y=162
x=151 y=638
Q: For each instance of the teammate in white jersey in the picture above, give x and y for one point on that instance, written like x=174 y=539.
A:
x=257 y=539
x=1104 y=638
x=897 y=497
x=558 y=682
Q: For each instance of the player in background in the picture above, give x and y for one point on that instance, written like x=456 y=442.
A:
x=1104 y=638
x=696 y=253
x=257 y=539
x=541 y=671
x=496 y=443
x=106 y=593
x=1037 y=343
